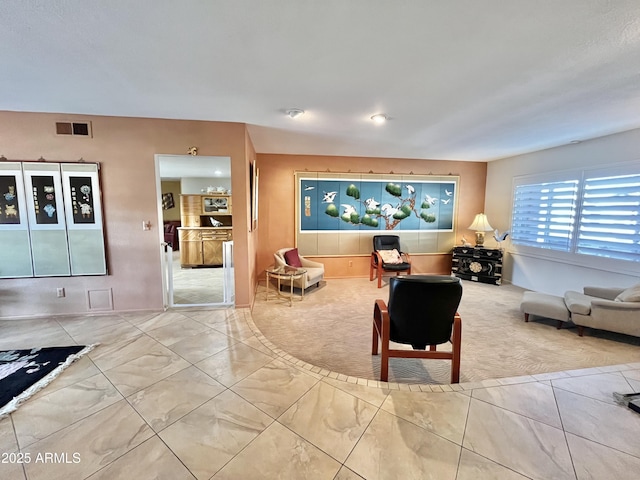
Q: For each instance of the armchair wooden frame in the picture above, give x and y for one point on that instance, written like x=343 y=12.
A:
x=381 y=329
x=378 y=266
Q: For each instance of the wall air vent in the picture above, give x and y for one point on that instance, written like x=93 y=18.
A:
x=73 y=128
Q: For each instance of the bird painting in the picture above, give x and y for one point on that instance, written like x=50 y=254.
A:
x=388 y=210
x=309 y=187
x=371 y=203
x=329 y=196
x=430 y=199
x=348 y=209
x=446 y=202
x=410 y=189
x=447 y=192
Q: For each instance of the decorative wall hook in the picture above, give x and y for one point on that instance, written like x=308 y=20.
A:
x=370 y=171
x=41 y=159
x=3 y=158
x=81 y=160
x=192 y=151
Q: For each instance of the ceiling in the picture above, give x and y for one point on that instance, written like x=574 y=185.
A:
x=460 y=80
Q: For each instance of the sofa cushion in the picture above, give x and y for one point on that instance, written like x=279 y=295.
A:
x=631 y=294
x=292 y=258
x=578 y=302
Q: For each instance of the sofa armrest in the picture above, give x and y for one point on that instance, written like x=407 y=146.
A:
x=577 y=302
x=310 y=263
x=279 y=260
x=613 y=305
x=609 y=293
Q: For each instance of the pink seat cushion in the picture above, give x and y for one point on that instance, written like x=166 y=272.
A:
x=292 y=258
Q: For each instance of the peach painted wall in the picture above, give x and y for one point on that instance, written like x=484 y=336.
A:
x=125 y=148
x=277 y=204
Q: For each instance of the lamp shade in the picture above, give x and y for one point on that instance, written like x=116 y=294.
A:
x=480 y=224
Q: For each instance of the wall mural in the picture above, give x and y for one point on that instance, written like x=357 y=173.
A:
x=396 y=203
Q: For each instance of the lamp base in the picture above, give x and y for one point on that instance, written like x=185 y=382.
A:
x=480 y=239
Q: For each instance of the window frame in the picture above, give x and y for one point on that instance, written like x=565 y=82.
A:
x=573 y=257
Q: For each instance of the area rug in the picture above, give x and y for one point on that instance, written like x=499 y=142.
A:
x=331 y=328
x=24 y=372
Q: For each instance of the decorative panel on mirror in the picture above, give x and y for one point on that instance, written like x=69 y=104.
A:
x=15 y=246
x=84 y=218
x=45 y=211
x=50 y=220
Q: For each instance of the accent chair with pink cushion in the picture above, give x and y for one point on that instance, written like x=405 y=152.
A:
x=315 y=270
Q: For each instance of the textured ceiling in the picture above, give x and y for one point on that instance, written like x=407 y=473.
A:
x=460 y=79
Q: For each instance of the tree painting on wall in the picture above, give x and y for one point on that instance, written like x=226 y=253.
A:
x=362 y=204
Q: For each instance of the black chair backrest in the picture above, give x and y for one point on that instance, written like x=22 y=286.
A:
x=386 y=242
x=422 y=308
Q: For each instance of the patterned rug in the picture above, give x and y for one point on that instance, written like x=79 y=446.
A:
x=24 y=372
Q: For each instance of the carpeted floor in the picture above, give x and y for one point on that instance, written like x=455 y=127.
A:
x=331 y=328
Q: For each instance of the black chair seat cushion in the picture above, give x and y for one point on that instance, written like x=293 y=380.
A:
x=419 y=316
x=396 y=267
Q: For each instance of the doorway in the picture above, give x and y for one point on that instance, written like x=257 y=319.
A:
x=189 y=283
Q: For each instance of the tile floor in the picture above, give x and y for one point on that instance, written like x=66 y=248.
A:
x=196 y=286
x=202 y=394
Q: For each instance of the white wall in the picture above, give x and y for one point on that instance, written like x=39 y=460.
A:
x=556 y=274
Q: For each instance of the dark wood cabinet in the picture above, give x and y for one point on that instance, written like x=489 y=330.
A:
x=478 y=264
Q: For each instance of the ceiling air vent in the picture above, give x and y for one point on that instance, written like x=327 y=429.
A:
x=73 y=128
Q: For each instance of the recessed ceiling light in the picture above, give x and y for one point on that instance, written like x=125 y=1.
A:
x=217 y=172
x=295 y=112
x=379 y=118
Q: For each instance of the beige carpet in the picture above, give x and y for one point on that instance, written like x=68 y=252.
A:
x=331 y=328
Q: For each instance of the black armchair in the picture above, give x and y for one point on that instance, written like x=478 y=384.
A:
x=401 y=263
x=422 y=311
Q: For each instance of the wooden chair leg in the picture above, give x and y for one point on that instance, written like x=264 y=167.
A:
x=526 y=317
x=432 y=348
x=559 y=324
x=374 y=341
x=385 y=326
x=455 y=343
x=379 y=275
x=580 y=330
x=384 y=365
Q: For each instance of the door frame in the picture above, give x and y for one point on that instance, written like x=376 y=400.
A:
x=168 y=302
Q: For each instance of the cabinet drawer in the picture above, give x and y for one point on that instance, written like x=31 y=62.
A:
x=188 y=235
x=222 y=235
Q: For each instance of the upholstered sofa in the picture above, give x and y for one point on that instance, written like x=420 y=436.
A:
x=611 y=309
x=171 y=233
x=315 y=270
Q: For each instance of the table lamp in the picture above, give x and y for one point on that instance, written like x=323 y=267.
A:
x=480 y=225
